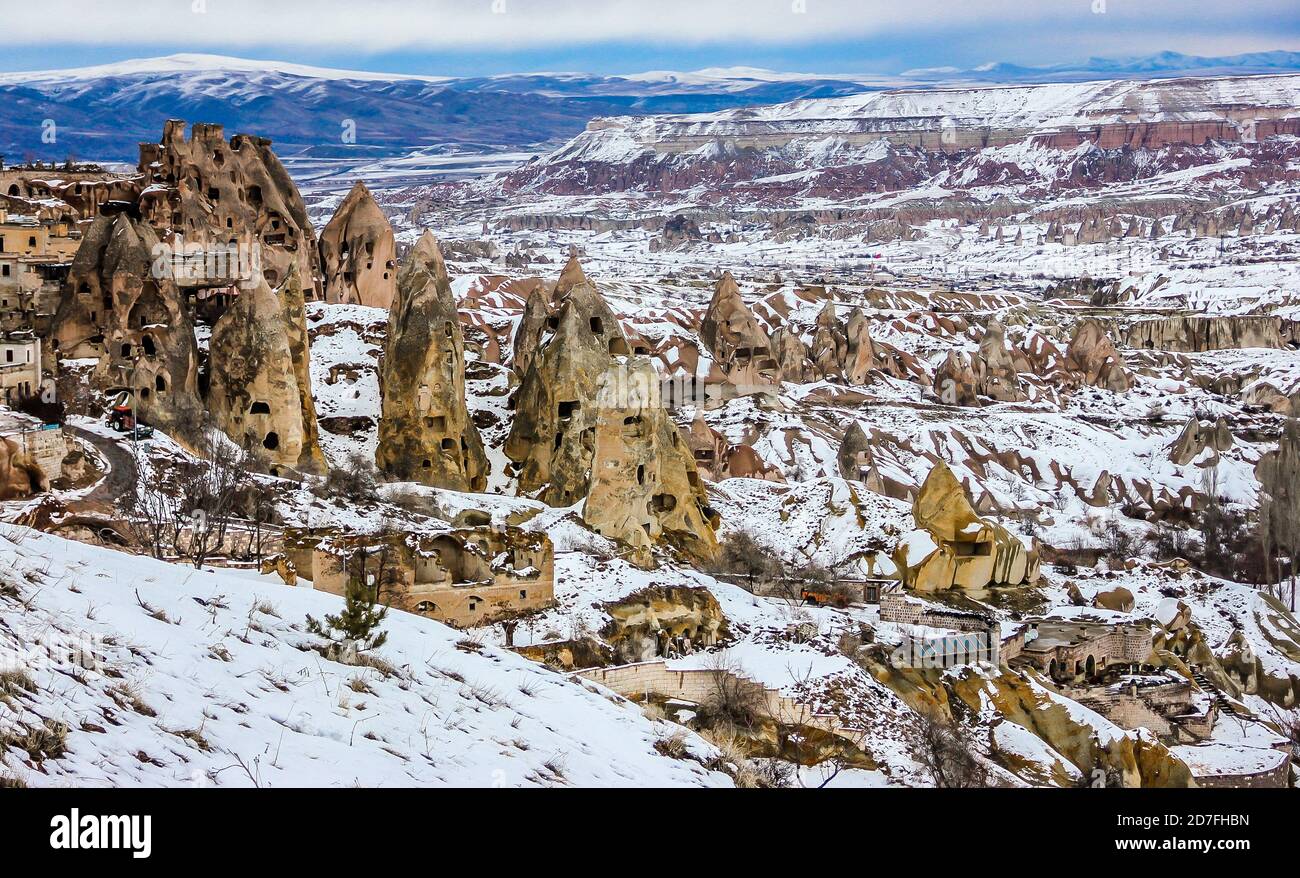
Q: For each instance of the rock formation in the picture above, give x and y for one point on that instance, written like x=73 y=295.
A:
x=20 y=474
x=531 y=327
x=260 y=388
x=553 y=435
x=856 y=461
x=792 y=356
x=644 y=484
x=1093 y=358
x=741 y=350
x=357 y=253
x=1194 y=334
x=954 y=547
x=134 y=322
x=207 y=193
x=842 y=351
x=589 y=427
x=995 y=368
x=425 y=432
x=955 y=381
x=1198 y=436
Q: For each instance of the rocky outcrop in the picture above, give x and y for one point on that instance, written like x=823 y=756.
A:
x=425 y=431
x=553 y=434
x=663 y=620
x=1198 y=436
x=791 y=356
x=995 y=368
x=209 y=194
x=841 y=351
x=644 y=484
x=20 y=475
x=741 y=350
x=1193 y=334
x=589 y=427
x=955 y=548
x=357 y=253
x=134 y=322
x=531 y=326
x=260 y=388
x=955 y=381
x=856 y=460
x=1092 y=357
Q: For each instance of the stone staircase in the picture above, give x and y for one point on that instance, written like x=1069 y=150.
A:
x=1225 y=705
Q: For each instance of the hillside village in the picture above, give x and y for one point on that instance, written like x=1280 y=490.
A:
x=857 y=488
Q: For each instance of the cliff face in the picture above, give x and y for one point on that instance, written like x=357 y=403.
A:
x=1195 y=334
x=425 y=433
x=358 y=254
x=887 y=140
x=260 y=389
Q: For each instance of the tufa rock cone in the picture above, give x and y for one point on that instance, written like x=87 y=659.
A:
x=129 y=315
x=1092 y=356
x=740 y=348
x=260 y=388
x=644 y=483
x=553 y=435
x=357 y=253
x=425 y=432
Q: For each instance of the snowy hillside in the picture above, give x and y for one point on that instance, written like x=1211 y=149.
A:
x=203 y=678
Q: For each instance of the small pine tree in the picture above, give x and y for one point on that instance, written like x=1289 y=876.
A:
x=356 y=628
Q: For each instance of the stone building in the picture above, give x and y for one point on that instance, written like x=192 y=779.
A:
x=35 y=255
x=68 y=192
x=21 y=372
x=1083 y=651
x=31 y=455
x=463 y=577
x=357 y=253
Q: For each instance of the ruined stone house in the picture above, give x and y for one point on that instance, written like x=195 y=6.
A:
x=463 y=577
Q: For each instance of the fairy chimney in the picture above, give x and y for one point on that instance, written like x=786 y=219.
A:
x=260 y=388
x=357 y=253
x=425 y=432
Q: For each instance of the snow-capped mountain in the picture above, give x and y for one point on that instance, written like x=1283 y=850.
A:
x=102 y=112
x=906 y=136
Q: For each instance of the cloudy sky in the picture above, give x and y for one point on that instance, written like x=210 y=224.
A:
x=466 y=37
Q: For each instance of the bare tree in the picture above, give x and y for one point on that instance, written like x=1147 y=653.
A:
x=733 y=701
x=210 y=489
x=152 y=515
x=948 y=755
x=1279 y=476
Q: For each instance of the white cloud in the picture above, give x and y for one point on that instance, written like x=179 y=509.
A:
x=388 y=25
